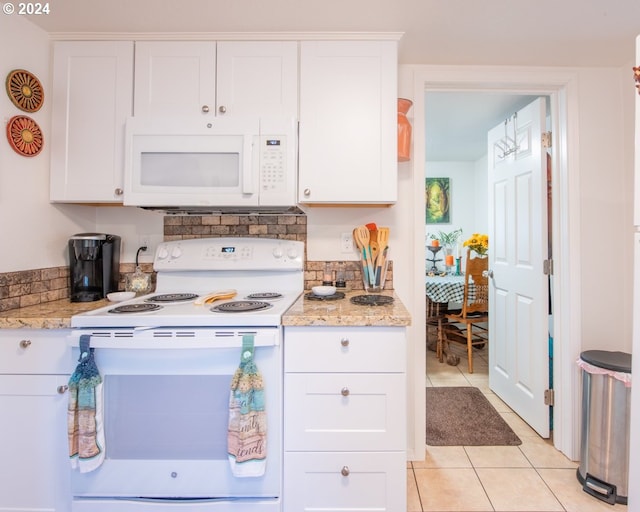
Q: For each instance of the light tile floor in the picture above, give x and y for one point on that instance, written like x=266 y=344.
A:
x=532 y=477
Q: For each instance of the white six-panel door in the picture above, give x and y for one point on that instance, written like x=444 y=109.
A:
x=518 y=320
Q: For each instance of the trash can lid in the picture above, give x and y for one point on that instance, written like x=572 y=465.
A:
x=615 y=361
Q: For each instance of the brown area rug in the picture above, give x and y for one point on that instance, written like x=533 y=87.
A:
x=462 y=416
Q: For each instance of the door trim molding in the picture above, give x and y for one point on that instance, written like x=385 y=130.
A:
x=562 y=88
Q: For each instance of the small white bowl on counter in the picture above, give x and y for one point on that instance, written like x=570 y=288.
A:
x=323 y=291
x=120 y=296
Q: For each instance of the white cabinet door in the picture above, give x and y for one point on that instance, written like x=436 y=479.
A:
x=35 y=351
x=345 y=349
x=316 y=481
x=92 y=97
x=348 y=122
x=345 y=411
x=186 y=78
x=175 y=78
x=34 y=465
x=258 y=78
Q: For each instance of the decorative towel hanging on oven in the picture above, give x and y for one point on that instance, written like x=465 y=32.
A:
x=85 y=412
x=247 y=432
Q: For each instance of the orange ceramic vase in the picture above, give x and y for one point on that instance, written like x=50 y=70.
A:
x=404 y=130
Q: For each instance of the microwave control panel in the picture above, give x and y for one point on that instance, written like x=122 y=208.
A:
x=273 y=164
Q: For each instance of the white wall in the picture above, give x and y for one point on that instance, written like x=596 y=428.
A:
x=132 y=225
x=34 y=232
x=606 y=186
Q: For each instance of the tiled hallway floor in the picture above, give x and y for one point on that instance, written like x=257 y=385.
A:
x=531 y=477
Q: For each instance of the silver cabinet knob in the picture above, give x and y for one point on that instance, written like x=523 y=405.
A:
x=62 y=389
x=205 y=109
x=345 y=471
x=344 y=342
x=307 y=192
x=222 y=109
x=25 y=343
x=345 y=391
x=119 y=191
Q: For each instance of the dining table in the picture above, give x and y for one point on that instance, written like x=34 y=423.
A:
x=446 y=288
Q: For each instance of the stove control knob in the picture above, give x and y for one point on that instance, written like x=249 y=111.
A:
x=163 y=254
x=292 y=253
x=277 y=253
x=176 y=252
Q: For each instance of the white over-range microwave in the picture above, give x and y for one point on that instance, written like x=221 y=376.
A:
x=228 y=161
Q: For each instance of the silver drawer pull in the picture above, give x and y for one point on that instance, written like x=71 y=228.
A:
x=25 y=343
x=345 y=391
x=62 y=389
x=345 y=471
x=344 y=342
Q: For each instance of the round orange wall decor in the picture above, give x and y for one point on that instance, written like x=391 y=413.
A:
x=24 y=135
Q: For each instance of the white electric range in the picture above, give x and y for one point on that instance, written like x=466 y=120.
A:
x=167 y=360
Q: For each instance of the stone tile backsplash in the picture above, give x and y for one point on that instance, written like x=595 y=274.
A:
x=30 y=287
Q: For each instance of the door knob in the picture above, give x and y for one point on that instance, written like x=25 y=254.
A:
x=490 y=274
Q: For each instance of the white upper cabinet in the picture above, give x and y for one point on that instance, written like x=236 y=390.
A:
x=175 y=78
x=214 y=79
x=348 y=122
x=258 y=78
x=92 y=97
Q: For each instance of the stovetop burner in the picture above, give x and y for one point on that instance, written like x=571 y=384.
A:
x=241 y=306
x=264 y=296
x=172 y=297
x=136 y=308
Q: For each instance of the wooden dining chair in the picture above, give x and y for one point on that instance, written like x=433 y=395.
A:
x=469 y=326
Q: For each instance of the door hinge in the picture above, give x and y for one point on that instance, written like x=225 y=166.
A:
x=549 y=397
x=547 y=267
x=546 y=140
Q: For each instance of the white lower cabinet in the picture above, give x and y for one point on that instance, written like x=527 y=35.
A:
x=341 y=481
x=34 y=466
x=345 y=419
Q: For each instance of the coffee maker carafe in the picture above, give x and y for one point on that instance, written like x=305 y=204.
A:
x=94 y=261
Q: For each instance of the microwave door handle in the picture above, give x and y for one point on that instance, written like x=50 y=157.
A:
x=247 y=165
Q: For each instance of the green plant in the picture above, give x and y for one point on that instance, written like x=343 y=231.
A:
x=447 y=238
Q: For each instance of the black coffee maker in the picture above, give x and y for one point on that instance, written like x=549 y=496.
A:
x=94 y=266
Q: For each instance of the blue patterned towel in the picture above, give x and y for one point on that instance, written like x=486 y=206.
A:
x=247 y=432
x=85 y=412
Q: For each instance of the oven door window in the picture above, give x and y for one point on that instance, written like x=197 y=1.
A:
x=165 y=417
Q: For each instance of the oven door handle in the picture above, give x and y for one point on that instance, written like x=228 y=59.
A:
x=163 y=339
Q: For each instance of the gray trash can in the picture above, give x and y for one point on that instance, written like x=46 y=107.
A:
x=606 y=406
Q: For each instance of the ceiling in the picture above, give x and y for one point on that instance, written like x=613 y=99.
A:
x=509 y=32
x=455 y=32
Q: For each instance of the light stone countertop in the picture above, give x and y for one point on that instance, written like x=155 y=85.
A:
x=57 y=314
x=343 y=312
x=50 y=315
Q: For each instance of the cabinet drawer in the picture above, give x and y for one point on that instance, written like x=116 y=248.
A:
x=345 y=481
x=344 y=412
x=344 y=349
x=25 y=351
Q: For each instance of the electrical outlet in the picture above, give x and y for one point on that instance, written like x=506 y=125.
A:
x=146 y=241
x=346 y=242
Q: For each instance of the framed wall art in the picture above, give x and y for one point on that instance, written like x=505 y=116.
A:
x=437 y=200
